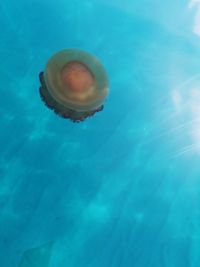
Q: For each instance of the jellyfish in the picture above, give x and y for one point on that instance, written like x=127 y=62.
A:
x=37 y=257
x=74 y=84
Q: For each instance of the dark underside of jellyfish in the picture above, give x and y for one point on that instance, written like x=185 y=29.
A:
x=61 y=110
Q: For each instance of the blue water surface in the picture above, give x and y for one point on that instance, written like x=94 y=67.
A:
x=121 y=189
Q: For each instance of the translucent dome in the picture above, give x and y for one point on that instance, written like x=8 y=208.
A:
x=74 y=84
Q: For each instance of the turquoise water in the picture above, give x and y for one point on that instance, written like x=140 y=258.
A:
x=121 y=189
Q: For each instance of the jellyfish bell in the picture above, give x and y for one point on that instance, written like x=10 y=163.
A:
x=74 y=84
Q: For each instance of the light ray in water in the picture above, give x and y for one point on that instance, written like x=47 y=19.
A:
x=185 y=150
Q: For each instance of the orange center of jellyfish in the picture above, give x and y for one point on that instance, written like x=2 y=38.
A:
x=77 y=77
